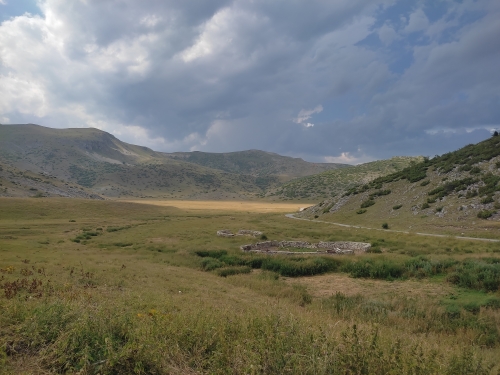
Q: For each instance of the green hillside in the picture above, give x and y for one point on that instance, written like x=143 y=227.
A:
x=457 y=192
x=256 y=163
x=331 y=183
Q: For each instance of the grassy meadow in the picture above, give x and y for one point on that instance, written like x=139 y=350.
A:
x=116 y=287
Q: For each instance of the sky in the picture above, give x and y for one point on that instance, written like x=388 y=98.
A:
x=345 y=81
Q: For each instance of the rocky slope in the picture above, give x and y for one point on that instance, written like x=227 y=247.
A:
x=458 y=191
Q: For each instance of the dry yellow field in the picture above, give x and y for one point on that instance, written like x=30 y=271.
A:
x=260 y=207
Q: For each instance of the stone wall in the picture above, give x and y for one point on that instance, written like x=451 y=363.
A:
x=339 y=247
x=245 y=232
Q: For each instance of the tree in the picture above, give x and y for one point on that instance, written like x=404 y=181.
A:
x=495 y=134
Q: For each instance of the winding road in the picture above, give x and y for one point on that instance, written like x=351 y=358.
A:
x=292 y=216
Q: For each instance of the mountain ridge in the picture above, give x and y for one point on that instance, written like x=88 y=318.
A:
x=99 y=161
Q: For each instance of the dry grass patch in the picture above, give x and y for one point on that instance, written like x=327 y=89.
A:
x=330 y=284
x=259 y=207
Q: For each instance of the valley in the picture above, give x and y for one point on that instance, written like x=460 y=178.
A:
x=110 y=261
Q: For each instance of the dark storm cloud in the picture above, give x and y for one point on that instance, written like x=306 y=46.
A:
x=339 y=81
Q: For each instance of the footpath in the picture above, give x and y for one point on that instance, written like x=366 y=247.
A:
x=292 y=216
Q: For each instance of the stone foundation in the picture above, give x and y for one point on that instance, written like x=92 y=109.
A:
x=339 y=247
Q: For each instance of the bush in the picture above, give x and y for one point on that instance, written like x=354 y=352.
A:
x=475 y=170
x=368 y=203
x=488 y=199
x=385 y=226
x=210 y=264
x=425 y=205
x=380 y=193
x=294 y=267
x=233 y=260
x=380 y=269
x=481 y=274
x=425 y=183
x=471 y=194
x=362 y=211
x=485 y=214
x=397 y=207
x=230 y=271
x=211 y=253
x=422 y=267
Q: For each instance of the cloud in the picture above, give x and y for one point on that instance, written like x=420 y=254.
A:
x=387 y=34
x=227 y=75
x=347 y=158
x=418 y=21
x=306 y=114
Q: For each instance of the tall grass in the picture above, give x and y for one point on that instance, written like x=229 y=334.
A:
x=478 y=274
x=110 y=337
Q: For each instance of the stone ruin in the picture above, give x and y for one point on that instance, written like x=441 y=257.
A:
x=241 y=232
x=338 y=247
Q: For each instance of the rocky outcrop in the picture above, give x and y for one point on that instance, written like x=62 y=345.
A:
x=241 y=232
x=225 y=233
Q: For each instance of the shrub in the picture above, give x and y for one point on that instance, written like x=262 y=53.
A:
x=488 y=199
x=485 y=214
x=475 y=170
x=211 y=253
x=425 y=183
x=368 y=203
x=380 y=269
x=471 y=194
x=425 y=205
x=116 y=229
x=380 y=193
x=210 y=264
x=481 y=274
x=439 y=209
x=422 y=267
x=230 y=271
x=233 y=260
x=294 y=267
x=397 y=207
x=385 y=226
x=255 y=262
x=362 y=211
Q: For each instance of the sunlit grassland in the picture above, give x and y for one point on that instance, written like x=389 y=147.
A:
x=123 y=291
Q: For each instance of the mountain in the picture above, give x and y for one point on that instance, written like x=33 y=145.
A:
x=331 y=183
x=456 y=192
x=104 y=165
x=256 y=163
